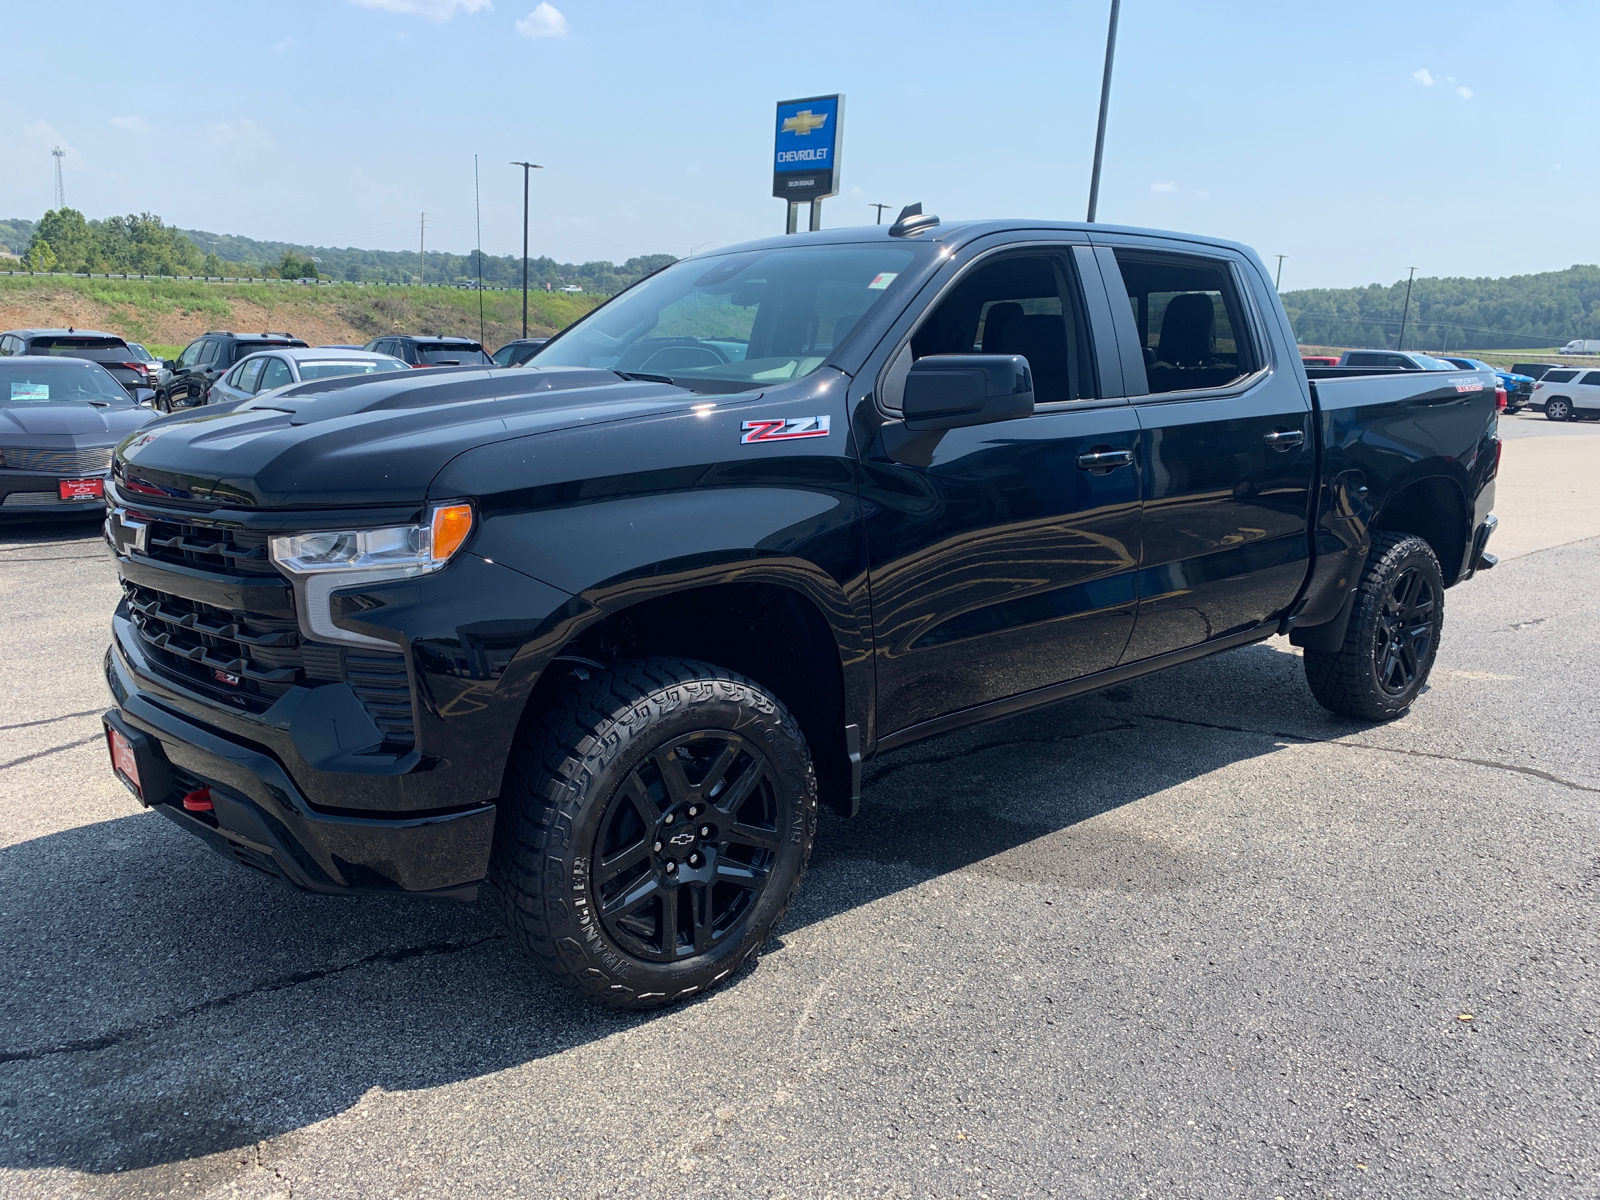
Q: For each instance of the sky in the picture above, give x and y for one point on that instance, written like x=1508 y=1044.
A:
x=1357 y=140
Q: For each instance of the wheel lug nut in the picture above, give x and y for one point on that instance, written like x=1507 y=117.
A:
x=672 y=868
x=694 y=860
x=705 y=831
x=667 y=820
x=693 y=811
x=657 y=847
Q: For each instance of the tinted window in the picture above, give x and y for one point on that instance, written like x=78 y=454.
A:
x=243 y=348
x=1014 y=305
x=736 y=321
x=275 y=374
x=249 y=373
x=1191 y=324
x=38 y=380
x=73 y=347
x=1592 y=379
x=209 y=353
x=438 y=353
x=1357 y=359
x=191 y=353
x=503 y=355
x=1560 y=376
x=329 y=369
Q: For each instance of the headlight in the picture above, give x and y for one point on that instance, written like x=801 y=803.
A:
x=318 y=563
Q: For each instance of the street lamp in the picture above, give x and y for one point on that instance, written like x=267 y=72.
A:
x=526 y=167
x=1105 y=102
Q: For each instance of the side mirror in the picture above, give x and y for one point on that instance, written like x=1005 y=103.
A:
x=170 y=364
x=949 y=391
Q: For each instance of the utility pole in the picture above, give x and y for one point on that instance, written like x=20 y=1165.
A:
x=1277 y=284
x=61 y=190
x=1406 y=312
x=477 y=208
x=1105 y=102
x=526 y=167
x=880 y=208
x=422 y=244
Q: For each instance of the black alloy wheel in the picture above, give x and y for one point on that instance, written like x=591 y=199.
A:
x=1558 y=409
x=686 y=847
x=163 y=403
x=654 y=827
x=1405 y=632
x=1392 y=638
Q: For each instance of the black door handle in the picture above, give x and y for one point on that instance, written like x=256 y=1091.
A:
x=1284 y=439
x=1104 y=460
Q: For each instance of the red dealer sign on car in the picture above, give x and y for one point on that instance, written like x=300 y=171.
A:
x=81 y=489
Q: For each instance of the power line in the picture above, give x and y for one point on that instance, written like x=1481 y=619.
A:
x=880 y=208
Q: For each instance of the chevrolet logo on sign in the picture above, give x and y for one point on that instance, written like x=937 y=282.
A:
x=804 y=122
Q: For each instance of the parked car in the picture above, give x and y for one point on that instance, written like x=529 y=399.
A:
x=1569 y=394
x=269 y=369
x=1534 y=371
x=1320 y=360
x=1401 y=360
x=519 y=351
x=107 y=349
x=431 y=351
x=1581 y=346
x=206 y=359
x=1518 y=388
x=155 y=370
x=603 y=638
x=60 y=416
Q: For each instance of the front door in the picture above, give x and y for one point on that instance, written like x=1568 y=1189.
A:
x=1003 y=555
x=1229 y=461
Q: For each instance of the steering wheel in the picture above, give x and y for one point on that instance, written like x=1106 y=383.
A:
x=680 y=357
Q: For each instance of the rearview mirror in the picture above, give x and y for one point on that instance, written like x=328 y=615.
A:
x=949 y=391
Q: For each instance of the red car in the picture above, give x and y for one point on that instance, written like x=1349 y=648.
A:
x=1320 y=360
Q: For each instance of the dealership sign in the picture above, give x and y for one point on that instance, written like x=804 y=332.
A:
x=805 y=163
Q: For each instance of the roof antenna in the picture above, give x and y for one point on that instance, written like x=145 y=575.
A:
x=911 y=221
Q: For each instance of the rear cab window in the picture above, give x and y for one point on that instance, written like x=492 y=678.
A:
x=1192 y=327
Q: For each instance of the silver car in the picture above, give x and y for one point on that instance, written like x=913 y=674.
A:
x=269 y=369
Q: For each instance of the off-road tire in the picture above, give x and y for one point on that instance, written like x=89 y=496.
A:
x=1558 y=408
x=578 y=760
x=1348 y=681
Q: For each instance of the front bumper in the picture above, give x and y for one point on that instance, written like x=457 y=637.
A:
x=35 y=493
x=261 y=819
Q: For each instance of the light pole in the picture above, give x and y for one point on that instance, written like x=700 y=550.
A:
x=526 y=167
x=1277 y=284
x=1406 y=311
x=880 y=208
x=1105 y=102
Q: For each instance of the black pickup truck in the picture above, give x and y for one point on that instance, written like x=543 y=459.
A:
x=604 y=630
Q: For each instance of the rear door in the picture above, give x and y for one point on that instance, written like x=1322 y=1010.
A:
x=1002 y=555
x=1228 y=462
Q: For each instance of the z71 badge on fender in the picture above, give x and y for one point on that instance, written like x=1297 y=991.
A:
x=780 y=429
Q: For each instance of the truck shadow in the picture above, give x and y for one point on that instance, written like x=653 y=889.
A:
x=164 y=1006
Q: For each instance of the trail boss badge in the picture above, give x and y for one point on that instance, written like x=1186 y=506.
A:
x=779 y=429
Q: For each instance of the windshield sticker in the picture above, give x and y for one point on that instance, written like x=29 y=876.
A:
x=781 y=429
x=30 y=391
x=883 y=279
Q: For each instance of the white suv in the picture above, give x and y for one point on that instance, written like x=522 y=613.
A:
x=1567 y=393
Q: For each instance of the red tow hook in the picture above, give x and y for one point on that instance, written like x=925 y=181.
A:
x=198 y=800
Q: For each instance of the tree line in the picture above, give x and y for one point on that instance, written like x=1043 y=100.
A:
x=64 y=240
x=1453 y=313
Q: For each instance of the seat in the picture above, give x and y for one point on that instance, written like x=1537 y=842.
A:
x=1186 y=331
x=1042 y=340
x=996 y=325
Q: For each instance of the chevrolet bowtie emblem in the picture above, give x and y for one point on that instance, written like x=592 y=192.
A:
x=804 y=122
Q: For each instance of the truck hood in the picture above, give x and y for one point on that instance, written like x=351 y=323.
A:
x=377 y=443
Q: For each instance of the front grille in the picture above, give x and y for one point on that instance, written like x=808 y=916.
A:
x=25 y=499
x=57 y=462
x=231 y=551
x=202 y=646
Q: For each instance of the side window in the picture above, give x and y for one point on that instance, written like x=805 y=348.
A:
x=1023 y=304
x=232 y=377
x=275 y=374
x=8 y=346
x=1191 y=322
x=210 y=354
x=191 y=352
x=249 y=373
x=1361 y=360
x=1592 y=379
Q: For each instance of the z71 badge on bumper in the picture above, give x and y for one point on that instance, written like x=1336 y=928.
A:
x=783 y=429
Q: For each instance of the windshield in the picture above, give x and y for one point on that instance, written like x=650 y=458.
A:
x=140 y=352
x=760 y=317
x=28 y=380
x=329 y=368
x=439 y=354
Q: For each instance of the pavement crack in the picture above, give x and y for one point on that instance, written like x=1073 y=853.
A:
x=88 y=712
x=880 y=774
x=17 y=762
x=1532 y=772
x=118 y=1037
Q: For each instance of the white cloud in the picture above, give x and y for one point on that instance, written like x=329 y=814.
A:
x=243 y=135
x=1163 y=187
x=288 y=43
x=1464 y=92
x=434 y=10
x=1423 y=77
x=131 y=124
x=544 y=21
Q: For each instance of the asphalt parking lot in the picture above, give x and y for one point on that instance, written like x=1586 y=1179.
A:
x=1189 y=937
